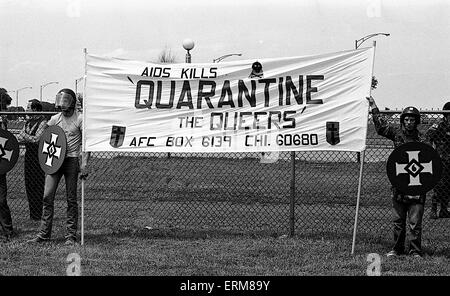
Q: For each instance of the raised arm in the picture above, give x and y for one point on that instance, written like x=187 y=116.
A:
x=382 y=127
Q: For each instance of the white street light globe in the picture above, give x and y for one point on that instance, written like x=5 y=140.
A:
x=188 y=44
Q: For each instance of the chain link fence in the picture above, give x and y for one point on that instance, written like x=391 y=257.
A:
x=238 y=192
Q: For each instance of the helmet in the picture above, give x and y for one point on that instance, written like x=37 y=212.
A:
x=411 y=111
x=65 y=102
x=446 y=106
x=257 y=67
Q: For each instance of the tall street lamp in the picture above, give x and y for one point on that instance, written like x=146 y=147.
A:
x=17 y=94
x=226 y=56
x=188 y=44
x=360 y=41
x=374 y=81
x=44 y=85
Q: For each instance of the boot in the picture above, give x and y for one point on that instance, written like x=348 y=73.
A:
x=433 y=211
x=444 y=213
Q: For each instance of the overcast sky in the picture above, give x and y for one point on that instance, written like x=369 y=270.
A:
x=43 y=40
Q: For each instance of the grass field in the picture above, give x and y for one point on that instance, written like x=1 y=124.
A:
x=215 y=248
x=204 y=252
x=152 y=215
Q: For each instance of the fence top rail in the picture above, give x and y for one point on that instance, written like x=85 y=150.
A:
x=28 y=113
x=421 y=111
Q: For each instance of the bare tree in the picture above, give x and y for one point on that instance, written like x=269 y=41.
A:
x=166 y=56
x=5 y=99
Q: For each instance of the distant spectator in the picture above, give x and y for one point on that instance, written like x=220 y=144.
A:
x=5 y=213
x=439 y=136
x=48 y=107
x=13 y=117
x=79 y=104
x=374 y=84
x=34 y=175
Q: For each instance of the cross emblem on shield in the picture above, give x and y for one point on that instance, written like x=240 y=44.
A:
x=52 y=149
x=414 y=168
x=9 y=151
x=4 y=153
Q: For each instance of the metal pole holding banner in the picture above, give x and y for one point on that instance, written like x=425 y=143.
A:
x=361 y=169
x=357 y=202
x=83 y=147
x=292 y=202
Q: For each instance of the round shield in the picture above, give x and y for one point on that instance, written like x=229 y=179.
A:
x=414 y=168
x=52 y=149
x=9 y=151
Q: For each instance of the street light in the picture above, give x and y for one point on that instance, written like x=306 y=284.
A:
x=374 y=81
x=360 y=41
x=76 y=83
x=17 y=94
x=188 y=44
x=226 y=56
x=44 y=85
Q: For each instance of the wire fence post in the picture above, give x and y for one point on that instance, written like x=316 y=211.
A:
x=82 y=212
x=292 y=202
x=83 y=135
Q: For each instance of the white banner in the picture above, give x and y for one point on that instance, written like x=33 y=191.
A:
x=280 y=104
